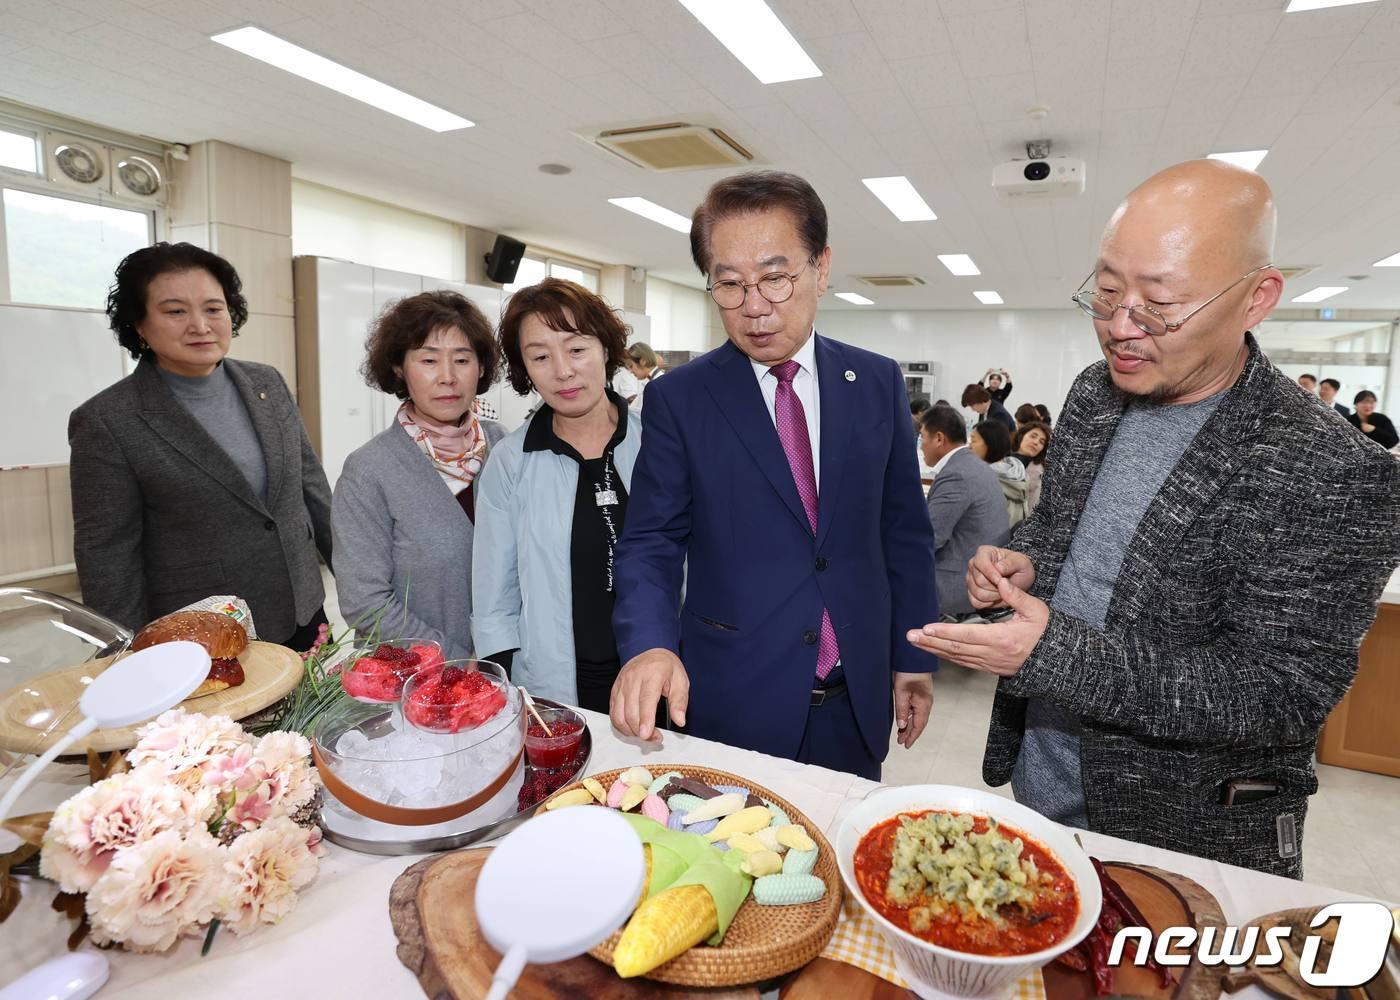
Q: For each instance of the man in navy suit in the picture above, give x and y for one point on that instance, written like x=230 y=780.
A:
x=777 y=479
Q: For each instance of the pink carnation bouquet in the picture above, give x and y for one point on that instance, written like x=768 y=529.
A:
x=212 y=825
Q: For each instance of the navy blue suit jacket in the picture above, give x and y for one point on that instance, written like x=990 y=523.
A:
x=712 y=492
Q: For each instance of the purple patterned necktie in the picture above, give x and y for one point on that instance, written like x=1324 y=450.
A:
x=797 y=444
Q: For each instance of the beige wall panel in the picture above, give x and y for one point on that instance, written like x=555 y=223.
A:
x=250 y=189
x=197 y=234
x=263 y=261
x=25 y=537
x=60 y=514
x=269 y=340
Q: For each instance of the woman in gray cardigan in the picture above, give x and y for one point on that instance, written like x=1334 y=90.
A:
x=404 y=511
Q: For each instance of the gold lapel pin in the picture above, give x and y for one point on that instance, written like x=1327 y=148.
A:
x=263 y=395
x=850 y=375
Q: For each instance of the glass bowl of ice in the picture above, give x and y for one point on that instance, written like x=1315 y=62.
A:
x=382 y=765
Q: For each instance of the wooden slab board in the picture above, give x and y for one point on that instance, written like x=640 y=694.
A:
x=270 y=672
x=432 y=910
x=1165 y=898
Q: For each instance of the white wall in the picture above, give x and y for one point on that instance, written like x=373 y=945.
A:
x=1042 y=349
x=678 y=317
x=331 y=223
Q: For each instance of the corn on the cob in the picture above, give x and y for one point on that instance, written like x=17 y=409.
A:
x=663 y=927
x=800 y=862
x=788 y=890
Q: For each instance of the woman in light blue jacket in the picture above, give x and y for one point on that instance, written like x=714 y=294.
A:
x=553 y=499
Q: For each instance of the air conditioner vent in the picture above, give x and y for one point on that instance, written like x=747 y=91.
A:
x=1296 y=271
x=672 y=146
x=892 y=280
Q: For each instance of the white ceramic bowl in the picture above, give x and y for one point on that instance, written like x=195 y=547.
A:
x=936 y=972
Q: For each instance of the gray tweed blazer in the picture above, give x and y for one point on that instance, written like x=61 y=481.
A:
x=1235 y=620
x=162 y=517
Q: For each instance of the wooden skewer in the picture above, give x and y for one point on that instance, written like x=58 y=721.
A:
x=530 y=704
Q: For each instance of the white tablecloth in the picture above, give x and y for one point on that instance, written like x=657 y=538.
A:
x=338 y=941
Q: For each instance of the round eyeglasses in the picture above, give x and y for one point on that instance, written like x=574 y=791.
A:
x=776 y=286
x=1151 y=322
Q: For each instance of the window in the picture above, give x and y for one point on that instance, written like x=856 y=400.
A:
x=331 y=223
x=678 y=316
x=63 y=252
x=531 y=271
x=585 y=276
x=19 y=151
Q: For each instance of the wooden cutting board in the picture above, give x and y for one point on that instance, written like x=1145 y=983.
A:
x=1165 y=899
x=434 y=917
x=1286 y=980
x=270 y=672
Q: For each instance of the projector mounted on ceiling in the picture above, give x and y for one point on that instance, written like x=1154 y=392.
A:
x=1040 y=175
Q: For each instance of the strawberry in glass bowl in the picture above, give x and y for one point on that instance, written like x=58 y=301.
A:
x=378 y=676
x=456 y=696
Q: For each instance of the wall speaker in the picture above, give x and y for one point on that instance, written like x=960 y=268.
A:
x=504 y=259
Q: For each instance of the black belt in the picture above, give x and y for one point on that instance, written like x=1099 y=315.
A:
x=822 y=694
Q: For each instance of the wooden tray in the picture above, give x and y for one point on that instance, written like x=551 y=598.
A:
x=430 y=907
x=1286 y=980
x=270 y=672
x=1165 y=899
x=763 y=942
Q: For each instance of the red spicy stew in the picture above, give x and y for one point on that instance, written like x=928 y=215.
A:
x=1016 y=929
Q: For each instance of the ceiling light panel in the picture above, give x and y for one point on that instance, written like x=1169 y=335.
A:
x=308 y=65
x=753 y=34
x=1247 y=158
x=656 y=213
x=1297 y=6
x=988 y=298
x=1392 y=261
x=855 y=299
x=959 y=263
x=899 y=196
x=1319 y=293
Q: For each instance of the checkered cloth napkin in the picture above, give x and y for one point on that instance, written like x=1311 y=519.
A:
x=857 y=941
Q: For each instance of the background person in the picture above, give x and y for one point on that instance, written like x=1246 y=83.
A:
x=644 y=364
x=990 y=442
x=1026 y=414
x=1044 y=412
x=1028 y=446
x=998 y=383
x=984 y=407
x=1309 y=382
x=404 y=510
x=776 y=474
x=193 y=476
x=1327 y=391
x=1179 y=639
x=554 y=498
x=965 y=505
x=1376 y=426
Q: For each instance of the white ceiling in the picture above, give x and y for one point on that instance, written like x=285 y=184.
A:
x=935 y=90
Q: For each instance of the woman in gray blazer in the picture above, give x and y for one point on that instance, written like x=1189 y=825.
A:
x=405 y=509
x=193 y=476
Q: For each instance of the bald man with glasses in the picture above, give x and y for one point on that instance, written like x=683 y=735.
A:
x=1173 y=651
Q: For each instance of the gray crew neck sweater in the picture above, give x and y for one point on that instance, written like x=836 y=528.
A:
x=1147 y=445
x=215 y=403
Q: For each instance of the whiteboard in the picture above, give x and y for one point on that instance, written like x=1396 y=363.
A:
x=51 y=361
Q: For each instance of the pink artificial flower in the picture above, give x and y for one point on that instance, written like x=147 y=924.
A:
x=181 y=744
x=156 y=891
x=236 y=771
x=251 y=810
x=263 y=871
x=291 y=780
x=88 y=830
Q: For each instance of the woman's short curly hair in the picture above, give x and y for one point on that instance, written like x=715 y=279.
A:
x=554 y=301
x=126 y=300
x=406 y=323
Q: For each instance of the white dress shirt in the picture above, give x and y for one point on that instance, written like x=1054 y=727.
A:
x=808 y=393
x=938 y=466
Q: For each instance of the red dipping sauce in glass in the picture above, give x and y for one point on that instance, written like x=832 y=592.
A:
x=551 y=752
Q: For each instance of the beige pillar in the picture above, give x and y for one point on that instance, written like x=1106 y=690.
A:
x=238 y=203
x=624 y=286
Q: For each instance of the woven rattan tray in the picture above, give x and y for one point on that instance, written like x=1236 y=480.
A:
x=763 y=942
